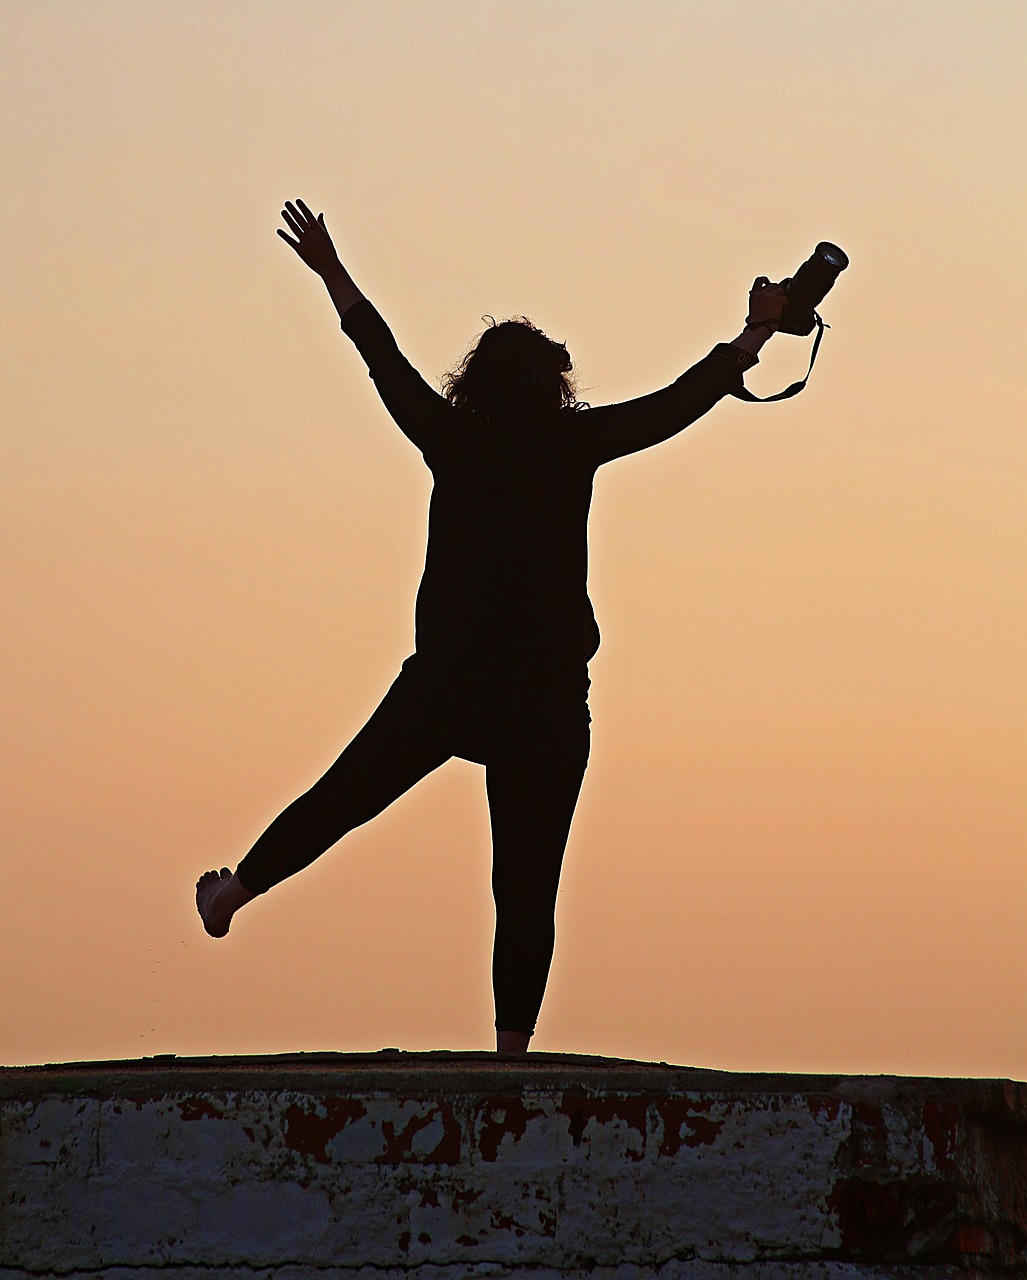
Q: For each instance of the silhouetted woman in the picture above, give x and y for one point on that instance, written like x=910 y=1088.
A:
x=504 y=625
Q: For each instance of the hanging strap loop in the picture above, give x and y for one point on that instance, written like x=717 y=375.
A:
x=796 y=387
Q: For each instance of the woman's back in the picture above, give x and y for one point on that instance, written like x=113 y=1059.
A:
x=504 y=593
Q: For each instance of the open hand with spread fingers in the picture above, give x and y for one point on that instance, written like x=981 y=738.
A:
x=312 y=243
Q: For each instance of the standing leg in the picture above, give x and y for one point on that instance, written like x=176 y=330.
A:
x=405 y=739
x=531 y=818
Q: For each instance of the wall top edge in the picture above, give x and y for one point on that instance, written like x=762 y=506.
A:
x=405 y=1074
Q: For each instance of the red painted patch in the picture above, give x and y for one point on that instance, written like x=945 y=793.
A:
x=634 y=1112
x=499 y=1117
x=970 y=1238
x=868 y=1138
x=399 y=1146
x=199 y=1109
x=466 y=1196
x=870 y=1214
x=309 y=1134
x=941 y=1126
x=685 y=1126
x=893 y=1219
x=826 y=1108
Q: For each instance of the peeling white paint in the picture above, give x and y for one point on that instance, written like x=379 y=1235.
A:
x=620 y=1170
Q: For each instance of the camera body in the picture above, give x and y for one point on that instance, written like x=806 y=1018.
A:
x=809 y=286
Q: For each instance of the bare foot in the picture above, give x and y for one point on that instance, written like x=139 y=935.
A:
x=208 y=887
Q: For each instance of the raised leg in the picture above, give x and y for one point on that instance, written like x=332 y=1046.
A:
x=405 y=739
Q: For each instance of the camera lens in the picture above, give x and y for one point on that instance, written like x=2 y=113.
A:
x=810 y=285
x=832 y=255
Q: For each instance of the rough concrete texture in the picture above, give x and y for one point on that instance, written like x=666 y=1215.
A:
x=444 y=1165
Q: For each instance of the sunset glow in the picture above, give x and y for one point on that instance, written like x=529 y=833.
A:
x=801 y=841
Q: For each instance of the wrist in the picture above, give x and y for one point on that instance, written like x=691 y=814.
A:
x=335 y=271
x=341 y=289
x=751 y=339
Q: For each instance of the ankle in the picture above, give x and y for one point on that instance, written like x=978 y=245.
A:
x=511 y=1042
x=232 y=896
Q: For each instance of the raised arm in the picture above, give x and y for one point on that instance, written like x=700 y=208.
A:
x=416 y=408
x=615 y=430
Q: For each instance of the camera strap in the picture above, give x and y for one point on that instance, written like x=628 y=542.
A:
x=796 y=387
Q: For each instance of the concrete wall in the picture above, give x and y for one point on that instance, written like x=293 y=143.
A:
x=455 y=1165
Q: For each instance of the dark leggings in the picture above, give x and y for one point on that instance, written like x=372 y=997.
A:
x=534 y=745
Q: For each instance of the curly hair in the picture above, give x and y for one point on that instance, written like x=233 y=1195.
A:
x=513 y=373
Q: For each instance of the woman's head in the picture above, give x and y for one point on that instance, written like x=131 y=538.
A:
x=512 y=373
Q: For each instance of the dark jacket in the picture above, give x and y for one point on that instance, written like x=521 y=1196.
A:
x=503 y=600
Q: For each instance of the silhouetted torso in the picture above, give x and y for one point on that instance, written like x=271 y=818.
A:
x=504 y=599
x=504 y=594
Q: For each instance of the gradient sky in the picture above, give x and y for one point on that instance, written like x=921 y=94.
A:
x=801 y=840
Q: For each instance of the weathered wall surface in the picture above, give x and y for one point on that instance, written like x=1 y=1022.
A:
x=437 y=1166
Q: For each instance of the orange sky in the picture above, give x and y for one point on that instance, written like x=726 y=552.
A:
x=801 y=840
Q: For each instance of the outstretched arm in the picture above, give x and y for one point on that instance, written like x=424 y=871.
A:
x=619 y=429
x=416 y=408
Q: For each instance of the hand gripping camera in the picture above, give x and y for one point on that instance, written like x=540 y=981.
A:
x=805 y=292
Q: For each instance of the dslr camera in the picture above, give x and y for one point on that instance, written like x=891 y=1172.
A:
x=809 y=286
